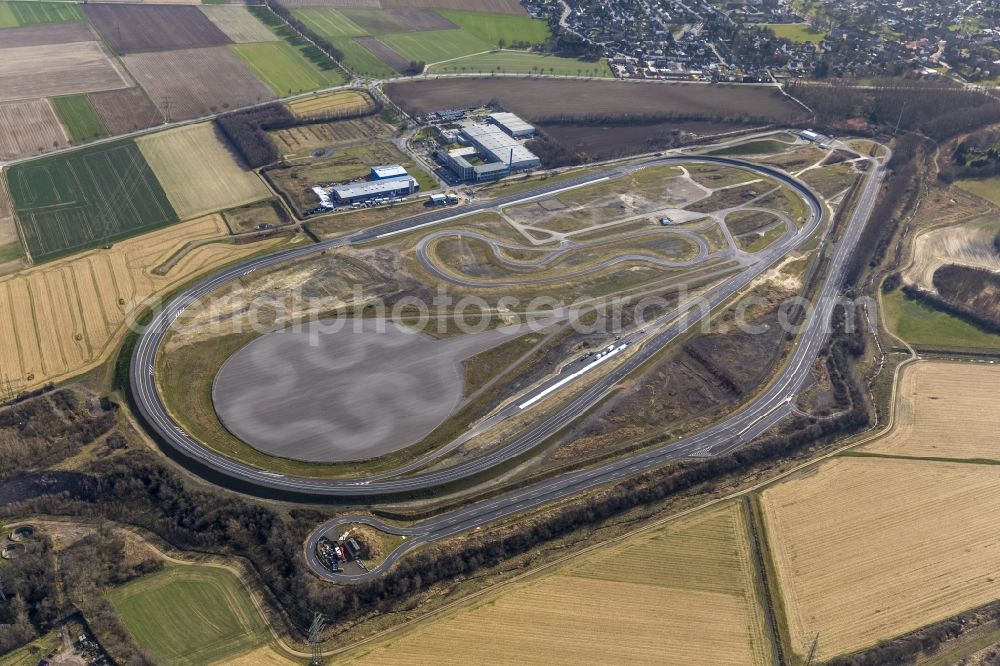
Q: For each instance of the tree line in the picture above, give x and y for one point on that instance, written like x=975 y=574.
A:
x=900 y=189
x=321 y=42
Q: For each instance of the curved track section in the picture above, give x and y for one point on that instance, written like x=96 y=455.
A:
x=434 y=267
x=769 y=407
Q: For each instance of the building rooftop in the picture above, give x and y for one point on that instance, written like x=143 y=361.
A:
x=498 y=144
x=511 y=122
x=388 y=171
x=373 y=187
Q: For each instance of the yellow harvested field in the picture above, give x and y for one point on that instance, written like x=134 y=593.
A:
x=238 y=23
x=870 y=548
x=945 y=410
x=198 y=170
x=67 y=316
x=344 y=101
x=684 y=594
x=30 y=127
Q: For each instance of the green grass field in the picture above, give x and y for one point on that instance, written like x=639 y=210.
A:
x=40 y=13
x=319 y=60
x=7 y=18
x=924 y=326
x=281 y=67
x=491 y=28
x=328 y=22
x=362 y=61
x=190 y=615
x=431 y=46
x=987 y=188
x=86 y=198
x=520 y=62
x=77 y=113
x=796 y=32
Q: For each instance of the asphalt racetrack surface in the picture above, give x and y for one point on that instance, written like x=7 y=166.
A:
x=769 y=407
x=344 y=389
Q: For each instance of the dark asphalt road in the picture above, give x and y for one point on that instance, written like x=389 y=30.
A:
x=768 y=408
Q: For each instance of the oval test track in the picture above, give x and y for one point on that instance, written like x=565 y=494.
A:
x=773 y=404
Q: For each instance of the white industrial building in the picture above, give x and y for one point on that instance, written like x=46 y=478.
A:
x=387 y=171
x=512 y=124
x=374 y=189
x=497 y=146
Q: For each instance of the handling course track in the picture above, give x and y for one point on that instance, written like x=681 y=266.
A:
x=769 y=407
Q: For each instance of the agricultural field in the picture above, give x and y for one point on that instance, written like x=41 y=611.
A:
x=39 y=13
x=494 y=28
x=303 y=140
x=238 y=24
x=142 y=28
x=797 y=33
x=36 y=62
x=362 y=61
x=190 y=615
x=435 y=45
x=382 y=42
x=199 y=171
x=309 y=52
x=329 y=22
x=533 y=99
x=80 y=118
x=334 y=103
x=868 y=548
x=987 y=188
x=29 y=127
x=11 y=250
x=282 y=68
x=687 y=590
x=932 y=399
x=521 y=62
x=89 y=197
x=126 y=110
x=512 y=7
x=926 y=327
x=968 y=244
x=68 y=315
x=190 y=83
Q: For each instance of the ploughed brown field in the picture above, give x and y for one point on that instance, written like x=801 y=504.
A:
x=138 y=28
x=384 y=53
x=422 y=19
x=547 y=98
x=29 y=127
x=195 y=82
x=40 y=35
x=126 y=110
x=53 y=60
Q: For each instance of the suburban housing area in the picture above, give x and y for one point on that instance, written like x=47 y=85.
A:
x=499 y=332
